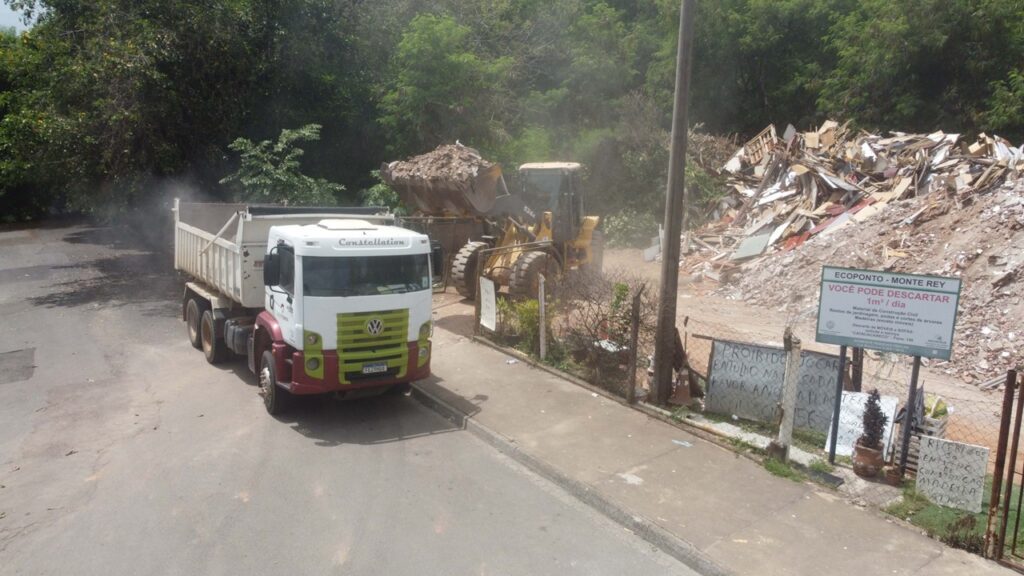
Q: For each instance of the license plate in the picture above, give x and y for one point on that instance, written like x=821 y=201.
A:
x=375 y=368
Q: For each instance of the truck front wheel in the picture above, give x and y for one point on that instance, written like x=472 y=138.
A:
x=192 y=315
x=214 y=348
x=275 y=398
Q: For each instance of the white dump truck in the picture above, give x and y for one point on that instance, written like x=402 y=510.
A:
x=318 y=300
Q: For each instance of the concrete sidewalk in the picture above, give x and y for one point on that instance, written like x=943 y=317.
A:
x=715 y=510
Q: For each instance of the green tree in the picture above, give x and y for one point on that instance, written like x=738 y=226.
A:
x=441 y=91
x=270 y=171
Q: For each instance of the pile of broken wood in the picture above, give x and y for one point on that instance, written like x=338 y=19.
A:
x=786 y=190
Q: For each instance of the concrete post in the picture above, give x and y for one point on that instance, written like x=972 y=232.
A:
x=780 y=447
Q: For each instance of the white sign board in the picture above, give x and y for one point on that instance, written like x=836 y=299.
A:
x=488 y=305
x=952 y=473
x=902 y=313
x=851 y=422
x=746 y=380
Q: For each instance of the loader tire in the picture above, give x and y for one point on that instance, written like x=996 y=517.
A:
x=525 y=281
x=464 y=270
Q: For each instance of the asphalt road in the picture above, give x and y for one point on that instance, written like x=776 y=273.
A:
x=123 y=452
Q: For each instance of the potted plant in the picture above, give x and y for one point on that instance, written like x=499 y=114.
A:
x=867 y=452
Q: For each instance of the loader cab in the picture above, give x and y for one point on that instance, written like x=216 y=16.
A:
x=555 y=187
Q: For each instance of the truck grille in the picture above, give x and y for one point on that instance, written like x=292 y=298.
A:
x=369 y=338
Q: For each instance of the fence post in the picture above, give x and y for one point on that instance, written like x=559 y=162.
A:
x=993 y=547
x=543 y=326
x=1010 y=470
x=837 y=405
x=780 y=447
x=634 y=336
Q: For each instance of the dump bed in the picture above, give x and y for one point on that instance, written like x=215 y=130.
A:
x=223 y=245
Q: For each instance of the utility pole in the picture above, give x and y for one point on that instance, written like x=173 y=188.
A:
x=675 y=210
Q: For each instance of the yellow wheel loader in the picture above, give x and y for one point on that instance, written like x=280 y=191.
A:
x=540 y=228
x=545 y=232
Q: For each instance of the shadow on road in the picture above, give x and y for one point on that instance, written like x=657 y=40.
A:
x=375 y=420
x=461 y=324
x=140 y=277
x=330 y=421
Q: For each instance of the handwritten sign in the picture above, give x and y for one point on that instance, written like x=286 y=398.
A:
x=746 y=380
x=952 y=473
x=902 y=313
x=488 y=305
x=851 y=422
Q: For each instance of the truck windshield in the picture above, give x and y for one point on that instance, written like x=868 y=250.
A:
x=365 y=275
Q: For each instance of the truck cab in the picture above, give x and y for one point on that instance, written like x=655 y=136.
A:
x=347 y=306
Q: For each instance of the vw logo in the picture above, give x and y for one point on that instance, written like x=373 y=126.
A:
x=374 y=327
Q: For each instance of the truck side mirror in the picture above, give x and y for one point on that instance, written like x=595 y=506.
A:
x=271 y=269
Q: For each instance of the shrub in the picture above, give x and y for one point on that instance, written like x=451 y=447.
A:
x=874 y=422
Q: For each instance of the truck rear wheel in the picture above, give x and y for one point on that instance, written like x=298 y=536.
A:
x=464 y=269
x=275 y=399
x=214 y=348
x=525 y=281
x=192 y=315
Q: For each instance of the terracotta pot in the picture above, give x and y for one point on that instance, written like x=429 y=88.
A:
x=867 y=462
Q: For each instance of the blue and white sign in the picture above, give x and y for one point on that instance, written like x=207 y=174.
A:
x=903 y=313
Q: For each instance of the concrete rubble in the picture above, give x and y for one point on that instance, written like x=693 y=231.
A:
x=917 y=203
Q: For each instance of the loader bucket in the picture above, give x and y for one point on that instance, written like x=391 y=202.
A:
x=452 y=180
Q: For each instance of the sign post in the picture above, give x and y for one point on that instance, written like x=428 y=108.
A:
x=903 y=313
x=908 y=415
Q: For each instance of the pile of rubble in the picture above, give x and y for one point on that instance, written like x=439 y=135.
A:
x=446 y=163
x=784 y=191
x=914 y=203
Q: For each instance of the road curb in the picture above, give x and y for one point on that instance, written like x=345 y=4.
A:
x=654 y=534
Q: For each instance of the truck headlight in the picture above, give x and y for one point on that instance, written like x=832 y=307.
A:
x=312 y=364
x=424 y=342
x=312 y=338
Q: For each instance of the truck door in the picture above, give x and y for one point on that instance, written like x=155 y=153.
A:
x=282 y=297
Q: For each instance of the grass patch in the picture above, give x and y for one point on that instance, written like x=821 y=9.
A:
x=821 y=466
x=806 y=440
x=955 y=528
x=744 y=446
x=809 y=440
x=783 y=470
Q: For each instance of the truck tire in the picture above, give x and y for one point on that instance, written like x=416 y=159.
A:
x=193 y=313
x=214 y=348
x=525 y=281
x=464 y=271
x=275 y=399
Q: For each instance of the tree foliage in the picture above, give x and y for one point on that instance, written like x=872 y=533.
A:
x=102 y=100
x=270 y=171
